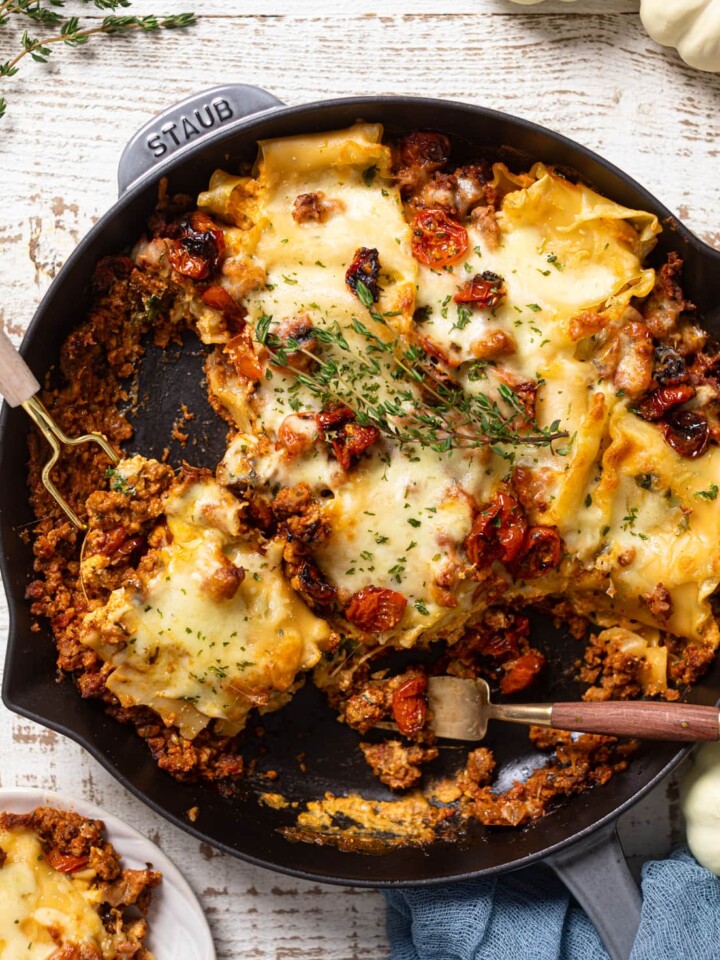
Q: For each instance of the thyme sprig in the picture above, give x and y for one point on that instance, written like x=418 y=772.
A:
x=394 y=385
x=70 y=31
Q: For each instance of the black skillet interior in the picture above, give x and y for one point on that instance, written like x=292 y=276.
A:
x=239 y=825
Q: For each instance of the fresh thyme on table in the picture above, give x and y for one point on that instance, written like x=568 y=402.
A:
x=421 y=403
x=70 y=30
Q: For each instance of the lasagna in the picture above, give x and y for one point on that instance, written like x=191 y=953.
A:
x=454 y=394
x=64 y=894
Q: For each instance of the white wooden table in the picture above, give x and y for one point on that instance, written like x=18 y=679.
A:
x=586 y=69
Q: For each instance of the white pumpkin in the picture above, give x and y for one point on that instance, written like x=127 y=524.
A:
x=700 y=799
x=693 y=26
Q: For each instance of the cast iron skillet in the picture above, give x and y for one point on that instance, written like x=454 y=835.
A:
x=220 y=128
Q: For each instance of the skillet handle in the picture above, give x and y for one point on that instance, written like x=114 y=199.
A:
x=595 y=871
x=186 y=123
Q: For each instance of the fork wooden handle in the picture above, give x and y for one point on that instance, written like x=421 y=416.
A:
x=647 y=721
x=17 y=382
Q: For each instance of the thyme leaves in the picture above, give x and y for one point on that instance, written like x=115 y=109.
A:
x=396 y=386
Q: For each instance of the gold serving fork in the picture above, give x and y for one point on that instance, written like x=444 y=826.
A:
x=20 y=388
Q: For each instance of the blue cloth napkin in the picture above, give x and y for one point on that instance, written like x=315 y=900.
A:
x=512 y=918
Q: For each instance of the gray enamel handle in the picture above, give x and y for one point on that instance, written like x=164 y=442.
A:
x=187 y=123
x=595 y=871
x=17 y=381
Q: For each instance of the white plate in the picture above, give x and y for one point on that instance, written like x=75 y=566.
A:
x=178 y=927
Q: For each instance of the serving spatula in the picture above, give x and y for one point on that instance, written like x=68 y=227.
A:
x=460 y=710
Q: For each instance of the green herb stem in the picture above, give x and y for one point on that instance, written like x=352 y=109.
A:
x=450 y=418
x=70 y=31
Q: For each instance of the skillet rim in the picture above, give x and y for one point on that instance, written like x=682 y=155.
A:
x=165 y=167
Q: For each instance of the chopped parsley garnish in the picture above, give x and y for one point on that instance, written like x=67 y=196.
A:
x=629 y=522
x=710 y=494
x=629 y=519
x=464 y=316
x=118 y=483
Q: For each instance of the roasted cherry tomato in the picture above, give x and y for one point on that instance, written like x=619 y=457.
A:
x=409 y=706
x=499 y=646
x=376 y=609
x=422 y=148
x=365 y=269
x=219 y=299
x=540 y=552
x=657 y=404
x=118 y=546
x=498 y=532
x=65 y=863
x=199 y=248
x=241 y=352
x=687 y=432
x=438 y=240
x=485 y=289
x=351 y=441
x=521 y=672
x=348 y=438
x=333 y=417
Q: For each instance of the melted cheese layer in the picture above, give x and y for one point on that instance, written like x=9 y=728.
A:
x=564 y=250
x=398 y=518
x=192 y=653
x=40 y=908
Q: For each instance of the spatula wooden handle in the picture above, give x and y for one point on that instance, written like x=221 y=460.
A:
x=647 y=721
x=17 y=382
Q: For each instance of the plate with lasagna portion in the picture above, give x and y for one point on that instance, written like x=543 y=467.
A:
x=452 y=396
x=77 y=883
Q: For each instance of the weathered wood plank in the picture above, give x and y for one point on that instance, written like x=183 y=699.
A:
x=353 y=8
x=586 y=68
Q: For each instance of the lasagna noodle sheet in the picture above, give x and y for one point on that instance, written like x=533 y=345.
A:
x=399 y=518
x=192 y=654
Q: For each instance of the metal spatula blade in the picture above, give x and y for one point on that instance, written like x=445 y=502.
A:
x=460 y=710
